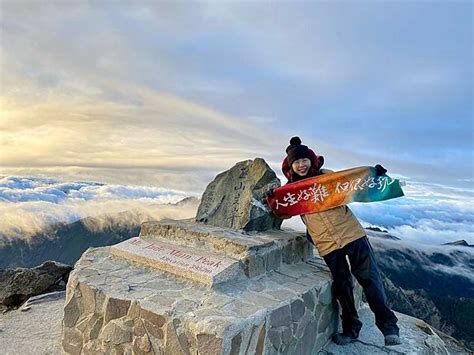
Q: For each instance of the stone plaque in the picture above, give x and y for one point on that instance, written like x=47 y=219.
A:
x=197 y=265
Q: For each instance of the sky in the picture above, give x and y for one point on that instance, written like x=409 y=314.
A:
x=164 y=95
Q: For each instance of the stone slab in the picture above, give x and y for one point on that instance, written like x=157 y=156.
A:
x=204 y=267
x=258 y=252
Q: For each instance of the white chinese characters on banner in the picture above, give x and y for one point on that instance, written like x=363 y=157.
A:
x=356 y=184
x=319 y=192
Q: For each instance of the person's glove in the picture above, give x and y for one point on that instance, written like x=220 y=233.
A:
x=269 y=194
x=380 y=170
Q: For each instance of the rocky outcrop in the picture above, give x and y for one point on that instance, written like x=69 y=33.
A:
x=17 y=285
x=430 y=283
x=412 y=302
x=417 y=338
x=233 y=198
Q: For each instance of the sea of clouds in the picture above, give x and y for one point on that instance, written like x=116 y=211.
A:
x=29 y=204
x=429 y=213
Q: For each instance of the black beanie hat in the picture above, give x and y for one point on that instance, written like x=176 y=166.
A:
x=296 y=151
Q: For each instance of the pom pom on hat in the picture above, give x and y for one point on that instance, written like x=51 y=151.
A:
x=295 y=141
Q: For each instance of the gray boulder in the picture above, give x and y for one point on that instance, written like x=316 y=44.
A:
x=17 y=285
x=234 y=198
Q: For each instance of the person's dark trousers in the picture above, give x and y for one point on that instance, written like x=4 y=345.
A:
x=364 y=268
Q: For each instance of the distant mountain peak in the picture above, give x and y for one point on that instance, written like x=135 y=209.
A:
x=188 y=201
x=460 y=242
x=377 y=229
x=380 y=233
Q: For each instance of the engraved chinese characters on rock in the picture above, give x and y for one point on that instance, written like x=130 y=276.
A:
x=237 y=212
x=209 y=200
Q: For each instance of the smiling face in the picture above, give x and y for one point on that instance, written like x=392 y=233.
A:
x=301 y=166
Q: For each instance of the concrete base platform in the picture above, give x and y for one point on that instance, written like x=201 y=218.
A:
x=114 y=305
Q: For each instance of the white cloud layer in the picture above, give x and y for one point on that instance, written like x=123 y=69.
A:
x=431 y=214
x=28 y=205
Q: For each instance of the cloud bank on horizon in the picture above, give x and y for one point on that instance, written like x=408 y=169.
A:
x=166 y=94
x=29 y=205
x=431 y=214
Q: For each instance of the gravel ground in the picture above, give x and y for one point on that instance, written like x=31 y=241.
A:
x=36 y=330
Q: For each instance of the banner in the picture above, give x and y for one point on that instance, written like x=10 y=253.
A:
x=331 y=190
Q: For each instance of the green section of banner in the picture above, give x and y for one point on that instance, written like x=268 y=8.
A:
x=385 y=189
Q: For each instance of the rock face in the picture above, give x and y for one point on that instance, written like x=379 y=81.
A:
x=118 y=300
x=431 y=284
x=412 y=302
x=17 y=285
x=233 y=198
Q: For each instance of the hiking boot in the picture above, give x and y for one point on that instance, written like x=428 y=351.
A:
x=344 y=338
x=392 y=339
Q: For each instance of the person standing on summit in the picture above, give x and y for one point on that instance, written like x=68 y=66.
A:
x=337 y=234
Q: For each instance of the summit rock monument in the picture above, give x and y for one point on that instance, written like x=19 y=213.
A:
x=229 y=281
x=233 y=198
